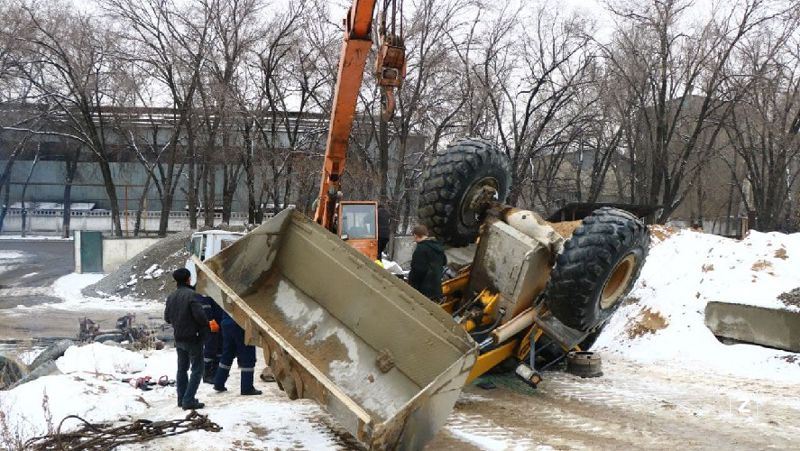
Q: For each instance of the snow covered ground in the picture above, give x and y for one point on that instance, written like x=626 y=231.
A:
x=91 y=388
x=67 y=292
x=664 y=319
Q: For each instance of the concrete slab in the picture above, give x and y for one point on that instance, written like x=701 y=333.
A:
x=775 y=328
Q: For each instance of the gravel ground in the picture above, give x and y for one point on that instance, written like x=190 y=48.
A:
x=791 y=298
x=148 y=274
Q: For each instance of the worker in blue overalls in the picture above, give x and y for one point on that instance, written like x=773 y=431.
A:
x=233 y=346
x=212 y=350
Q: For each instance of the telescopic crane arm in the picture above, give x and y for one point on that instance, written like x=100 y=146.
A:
x=390 y=70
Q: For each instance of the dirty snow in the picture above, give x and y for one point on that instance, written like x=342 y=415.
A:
x=686 y=271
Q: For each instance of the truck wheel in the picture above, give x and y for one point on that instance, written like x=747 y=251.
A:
x=458 y=176
x=597 y=268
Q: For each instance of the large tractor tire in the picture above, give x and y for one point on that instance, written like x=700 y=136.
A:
x=598 y=267
x=458 y=175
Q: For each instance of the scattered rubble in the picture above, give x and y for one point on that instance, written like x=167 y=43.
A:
x=791 y=298
x=761 y=265
x=125 y=332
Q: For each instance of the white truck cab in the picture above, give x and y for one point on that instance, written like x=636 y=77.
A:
x=206 y=244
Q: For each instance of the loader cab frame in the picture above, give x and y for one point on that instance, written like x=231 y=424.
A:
x=358 y=226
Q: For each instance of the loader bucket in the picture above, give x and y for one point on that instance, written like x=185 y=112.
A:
x=384 y=361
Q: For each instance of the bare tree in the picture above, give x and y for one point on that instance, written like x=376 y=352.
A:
x=530 y=65
x=73 y=51
x=170 y=43
x=684 y=101
x=764 y=127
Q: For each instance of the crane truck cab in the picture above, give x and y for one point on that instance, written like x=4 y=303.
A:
x=358 y=226
x=207 y=244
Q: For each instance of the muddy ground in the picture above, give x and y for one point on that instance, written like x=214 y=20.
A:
x=630 y=407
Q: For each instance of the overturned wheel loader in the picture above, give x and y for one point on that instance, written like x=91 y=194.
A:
x=387 y=363
x=532 y=293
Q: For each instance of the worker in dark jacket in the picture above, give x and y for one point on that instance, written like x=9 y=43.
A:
x=427 y=264
x=384 y=229
x=233 y=346
x=212 y=347
x=190 y=326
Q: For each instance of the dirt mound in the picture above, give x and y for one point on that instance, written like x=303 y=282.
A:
x=648 y=322
x=660 y=232
x=148 y=274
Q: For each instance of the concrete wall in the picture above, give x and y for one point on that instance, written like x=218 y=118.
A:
x=118 y=251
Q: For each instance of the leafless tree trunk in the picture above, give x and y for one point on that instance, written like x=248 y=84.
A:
x=23 y=198
x=70 y=168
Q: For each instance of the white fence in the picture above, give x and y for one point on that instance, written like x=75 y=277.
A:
x=50 y=221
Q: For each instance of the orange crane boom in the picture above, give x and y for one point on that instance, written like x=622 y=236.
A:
x=390 y=70
x=355 y=50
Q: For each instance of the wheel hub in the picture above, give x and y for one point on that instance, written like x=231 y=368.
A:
x=617 y=282
x=476 y=198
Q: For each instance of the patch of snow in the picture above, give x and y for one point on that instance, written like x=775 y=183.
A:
x=11 y=255
x=28 y=356
x=485 y=434
x=97 y=358
x=686 y=271
x=153 y=272
x=68 y=288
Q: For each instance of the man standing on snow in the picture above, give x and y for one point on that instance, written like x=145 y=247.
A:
x=190 y=326
x=427 y=264
x=233 y=345
x=212 y=346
